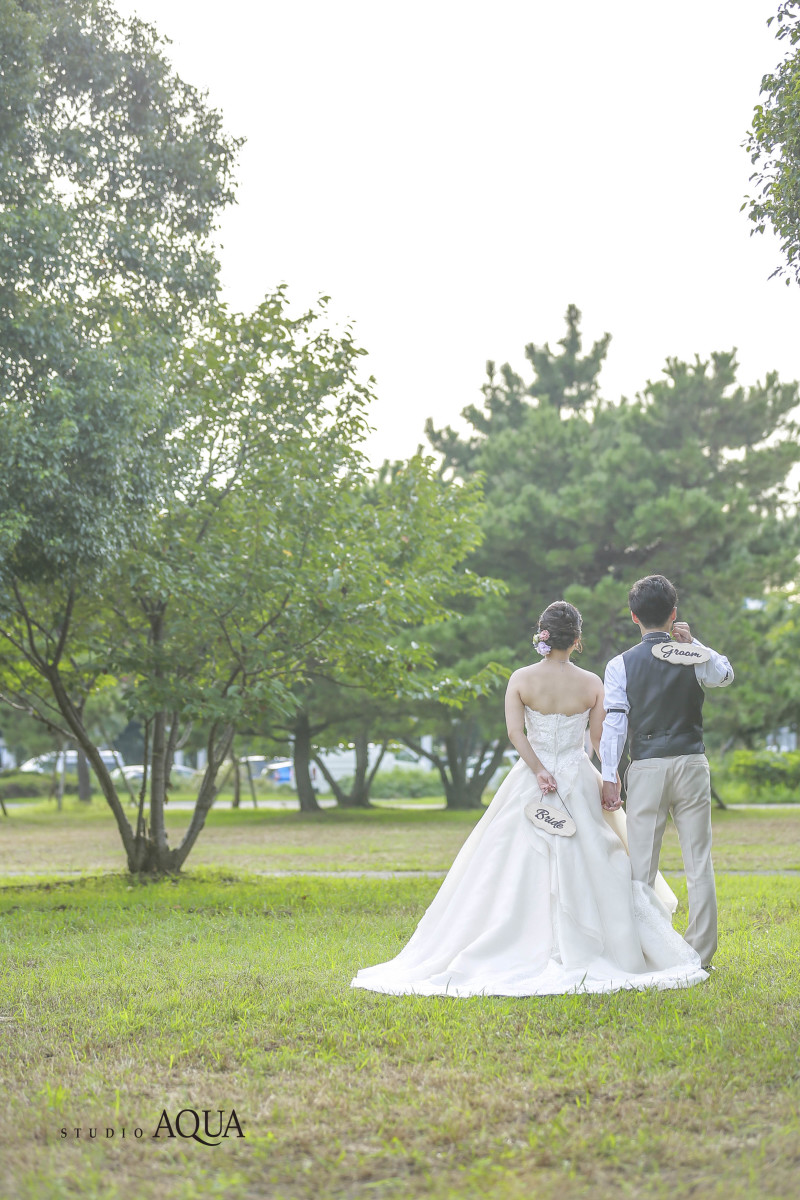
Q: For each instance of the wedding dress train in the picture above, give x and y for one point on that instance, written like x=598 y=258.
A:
x=525 y=913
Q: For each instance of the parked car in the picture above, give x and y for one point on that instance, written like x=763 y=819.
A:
x=135 y=773
x=46 y=764
x=277 y=770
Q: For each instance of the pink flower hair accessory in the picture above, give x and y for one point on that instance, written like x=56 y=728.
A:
x=540 y=641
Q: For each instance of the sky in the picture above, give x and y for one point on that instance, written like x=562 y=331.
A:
x=454 y=173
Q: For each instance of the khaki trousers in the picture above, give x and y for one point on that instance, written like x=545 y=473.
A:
x=682 y=786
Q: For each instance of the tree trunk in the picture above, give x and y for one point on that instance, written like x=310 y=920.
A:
x=60 y=782
x=358 y=796
x=218 y=750
x=237 y=779
x=84 y=778
x=485 y=769
x=302 y=764
x=146 y=848
x=57 y=782
x=720 y=803
x=338 y=792
x=158 y=781
x=251 y=782
x=463 y=790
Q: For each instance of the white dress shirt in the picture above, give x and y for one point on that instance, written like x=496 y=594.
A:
x=717 y=672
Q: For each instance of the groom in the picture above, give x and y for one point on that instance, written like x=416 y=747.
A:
x=654 y=696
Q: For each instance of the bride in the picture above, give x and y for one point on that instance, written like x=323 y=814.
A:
x=524 y=912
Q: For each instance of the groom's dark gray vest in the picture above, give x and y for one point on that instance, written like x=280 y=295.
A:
x=666 y=704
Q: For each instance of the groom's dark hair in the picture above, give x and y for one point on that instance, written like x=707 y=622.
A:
x=652 y=599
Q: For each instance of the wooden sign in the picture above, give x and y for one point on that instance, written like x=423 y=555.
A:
x=681 y=654
x=549 y=818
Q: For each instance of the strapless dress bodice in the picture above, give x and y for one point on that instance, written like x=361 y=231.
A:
x=558 y=741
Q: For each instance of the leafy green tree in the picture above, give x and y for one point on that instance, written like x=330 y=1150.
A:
x=520 y=443
x=773 y=143
x=561 y=381
x=228 y=578
x=768 y=697
x=25 y=736
x=689 y=479
x=266 y=551
x=113 y=175
x=411 y=531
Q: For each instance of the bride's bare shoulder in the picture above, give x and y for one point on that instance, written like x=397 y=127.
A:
x=591 y=680
x=521 y=674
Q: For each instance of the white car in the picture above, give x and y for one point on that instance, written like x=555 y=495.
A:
x=47 y=764
x=135 y=774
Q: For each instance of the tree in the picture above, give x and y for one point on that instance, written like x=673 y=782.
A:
x=518 y=443
x=228 y=575
x=114 y=171
x=565 y=381
x=265 y=552
x=25 y=736
x=767 y=696
x=773 y=143
x=410 y=531
x=688 y=479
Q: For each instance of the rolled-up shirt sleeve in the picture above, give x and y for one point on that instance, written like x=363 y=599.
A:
x=717 y=672
x=615 y=725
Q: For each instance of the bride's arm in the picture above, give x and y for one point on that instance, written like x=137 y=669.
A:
x=515 y=723
x=596 y=714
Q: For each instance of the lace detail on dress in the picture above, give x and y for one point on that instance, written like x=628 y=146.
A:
x=662 y=945
x=558 y=742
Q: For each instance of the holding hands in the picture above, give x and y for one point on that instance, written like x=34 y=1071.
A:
x=612 y=798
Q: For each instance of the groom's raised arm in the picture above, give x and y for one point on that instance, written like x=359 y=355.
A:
x=717 y=672
x=615 y=725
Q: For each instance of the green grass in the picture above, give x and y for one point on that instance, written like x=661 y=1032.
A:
x=84 y=838
x=120 y=999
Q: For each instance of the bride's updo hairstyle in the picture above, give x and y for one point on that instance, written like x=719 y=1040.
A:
x=563 y=622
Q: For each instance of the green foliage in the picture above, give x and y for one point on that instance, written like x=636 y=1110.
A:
x=269 y=555
x=766 y=696
x=764 y=772
x=407 y=535
x=773 y=143
x=185 y=512
x=399 y=784
x=113 y=173
x=688 y=479
x=24 y=736
x=30 y=785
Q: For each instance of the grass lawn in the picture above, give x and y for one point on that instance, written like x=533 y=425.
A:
x=120 y=1000
x=83 y=838
x=220 y=991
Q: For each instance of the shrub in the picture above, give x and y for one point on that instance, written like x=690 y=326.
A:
x=764 y=771
x=28 y=785
x=400 y=784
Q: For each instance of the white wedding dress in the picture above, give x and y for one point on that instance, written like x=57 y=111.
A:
x=527 y=913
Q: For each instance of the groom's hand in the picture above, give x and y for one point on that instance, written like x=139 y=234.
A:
x=611 y=797
x=681 y=632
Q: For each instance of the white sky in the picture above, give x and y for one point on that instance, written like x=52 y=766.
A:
x=454 y=173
